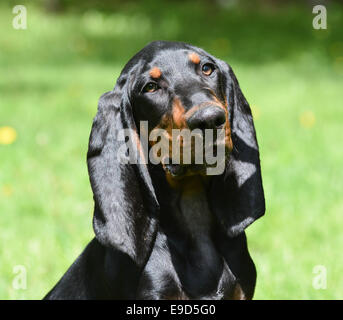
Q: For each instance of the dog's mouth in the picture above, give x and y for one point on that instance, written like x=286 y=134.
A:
x=179 y=170
x=193 y=142
x=175 y=170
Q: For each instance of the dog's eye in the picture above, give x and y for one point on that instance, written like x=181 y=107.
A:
x=207 y=69
x=150 y=87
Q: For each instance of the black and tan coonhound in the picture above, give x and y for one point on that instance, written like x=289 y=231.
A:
x=169 y=231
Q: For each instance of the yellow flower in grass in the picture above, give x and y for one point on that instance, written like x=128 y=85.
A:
x=255 y=112
x=307 y=119
x=7 y=135
x=7 y=190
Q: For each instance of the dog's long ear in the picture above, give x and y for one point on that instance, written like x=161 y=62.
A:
x=237 y=195
x=125 y=202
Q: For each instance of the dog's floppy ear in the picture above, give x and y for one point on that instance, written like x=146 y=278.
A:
x=125 y=202
x=237 y=195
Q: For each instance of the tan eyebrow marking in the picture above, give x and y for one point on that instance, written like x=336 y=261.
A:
x=178 y=113
x=194 y=58
x=155 y=73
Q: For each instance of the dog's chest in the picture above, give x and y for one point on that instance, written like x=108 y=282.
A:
x=185 y=263
x=167 y=276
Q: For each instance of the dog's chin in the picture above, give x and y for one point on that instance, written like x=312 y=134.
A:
x=179 y=171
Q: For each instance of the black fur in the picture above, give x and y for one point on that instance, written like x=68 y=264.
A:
x=150 y=241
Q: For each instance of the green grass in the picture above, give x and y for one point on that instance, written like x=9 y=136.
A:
x=52 y=74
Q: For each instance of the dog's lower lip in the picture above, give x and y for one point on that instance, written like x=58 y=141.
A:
x=175 y=169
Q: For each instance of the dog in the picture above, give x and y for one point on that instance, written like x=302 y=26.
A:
x=165 y=230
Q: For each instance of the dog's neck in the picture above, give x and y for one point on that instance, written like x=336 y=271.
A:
x=190 y=206
x=189 y=226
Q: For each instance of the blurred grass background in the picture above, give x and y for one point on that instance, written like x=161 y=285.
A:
x=52 y=74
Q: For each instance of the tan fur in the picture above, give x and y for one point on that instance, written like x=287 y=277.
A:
x=178 y=120
x=238 y=293
x=155 y=73
x=194 y=58
x=178 y=114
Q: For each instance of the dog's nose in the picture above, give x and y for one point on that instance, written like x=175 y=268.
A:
x=210 y=117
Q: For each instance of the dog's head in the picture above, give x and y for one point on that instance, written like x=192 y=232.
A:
x=178 y=90
x=166 y=89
